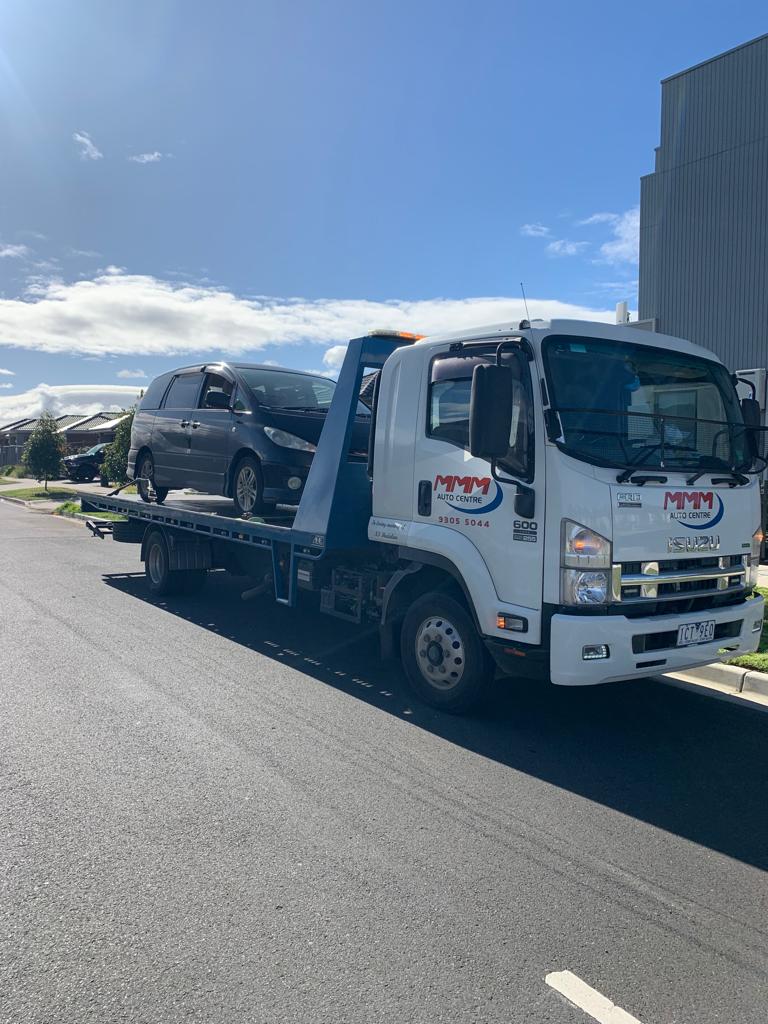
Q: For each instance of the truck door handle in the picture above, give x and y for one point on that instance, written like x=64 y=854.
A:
x=425 y=497
x=185 y=423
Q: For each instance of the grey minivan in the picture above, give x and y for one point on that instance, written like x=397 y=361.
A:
x=241 y=430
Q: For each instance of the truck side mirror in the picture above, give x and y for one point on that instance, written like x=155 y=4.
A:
x=491 y=407
x=750 y=411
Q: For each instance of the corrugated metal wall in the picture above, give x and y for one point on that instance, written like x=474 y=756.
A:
x=704 y=212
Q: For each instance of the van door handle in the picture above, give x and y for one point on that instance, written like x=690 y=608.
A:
x=195 y=424
x=185 y=423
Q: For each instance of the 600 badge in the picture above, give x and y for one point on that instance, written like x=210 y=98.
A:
x=525 y=530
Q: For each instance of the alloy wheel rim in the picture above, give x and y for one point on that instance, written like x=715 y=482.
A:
x=247 y=488
x=440 y=653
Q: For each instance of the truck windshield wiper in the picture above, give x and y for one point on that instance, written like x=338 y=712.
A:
x=733 y=477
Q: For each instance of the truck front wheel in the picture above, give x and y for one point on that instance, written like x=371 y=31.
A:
x=443 y=656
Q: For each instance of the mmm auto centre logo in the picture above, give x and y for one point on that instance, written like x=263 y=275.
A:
x=697 y=510
x=468 y=493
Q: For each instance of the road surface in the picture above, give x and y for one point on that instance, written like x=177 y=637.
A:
x=221 y=811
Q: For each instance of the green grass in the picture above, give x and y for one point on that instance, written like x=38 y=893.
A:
x=73 y=508
x=759 y=660
x=36 y=493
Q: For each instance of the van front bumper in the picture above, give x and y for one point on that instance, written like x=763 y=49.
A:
x=570 y=634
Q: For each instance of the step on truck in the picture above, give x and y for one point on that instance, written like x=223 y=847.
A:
x=565 y=501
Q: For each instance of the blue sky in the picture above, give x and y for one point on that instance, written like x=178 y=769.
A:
x=182 y=180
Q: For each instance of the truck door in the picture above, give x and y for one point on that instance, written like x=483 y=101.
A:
x=457 y=492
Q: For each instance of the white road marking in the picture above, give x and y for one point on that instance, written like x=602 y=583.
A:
x=588 y=999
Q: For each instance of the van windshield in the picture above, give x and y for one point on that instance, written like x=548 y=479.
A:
x=296 y=392
x=626 y=405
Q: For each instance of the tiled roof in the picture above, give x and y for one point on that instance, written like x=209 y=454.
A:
x=102 y=421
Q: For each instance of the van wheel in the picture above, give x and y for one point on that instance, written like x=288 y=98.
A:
x=146 y=485
x=160 y=578
x=444 y=659
x=248 y=487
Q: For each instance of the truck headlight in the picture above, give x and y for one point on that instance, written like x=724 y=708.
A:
x=286 y=440
x=754 y=557
x=582 y=548
x=583 y=588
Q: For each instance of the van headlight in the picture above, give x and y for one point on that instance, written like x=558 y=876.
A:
x=581 y=588
x=286 y=440
x=585 y=558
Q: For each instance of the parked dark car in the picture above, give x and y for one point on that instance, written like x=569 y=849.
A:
x=245 y=431
x=84 y=466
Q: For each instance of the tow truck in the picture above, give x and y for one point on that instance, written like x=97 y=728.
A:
x=566 y=501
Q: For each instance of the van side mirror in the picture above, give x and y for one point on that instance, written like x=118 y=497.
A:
x=217 y=400
x=491 y=407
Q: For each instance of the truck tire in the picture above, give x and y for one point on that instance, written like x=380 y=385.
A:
x=145 y=471
x=445 y=660
x=161 y=579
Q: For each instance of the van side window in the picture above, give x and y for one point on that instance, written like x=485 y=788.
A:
x=215 y=382
x=450 y=389
x=183 y=392
x=153 y=396
x=239 y=405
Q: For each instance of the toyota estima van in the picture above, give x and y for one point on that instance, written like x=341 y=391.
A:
x=241 y=430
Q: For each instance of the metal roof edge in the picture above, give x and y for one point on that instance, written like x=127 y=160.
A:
x=711 y=60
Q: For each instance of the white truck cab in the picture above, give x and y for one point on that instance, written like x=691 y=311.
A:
x=590 y=488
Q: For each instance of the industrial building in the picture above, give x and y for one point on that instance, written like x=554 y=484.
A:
x=704 y=210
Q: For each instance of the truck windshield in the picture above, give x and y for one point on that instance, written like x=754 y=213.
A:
x=622 y=404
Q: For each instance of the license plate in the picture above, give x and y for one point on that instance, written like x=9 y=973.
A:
x=695 y=633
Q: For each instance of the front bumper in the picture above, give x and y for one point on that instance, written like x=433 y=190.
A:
x=276 y=477
x=570 y=633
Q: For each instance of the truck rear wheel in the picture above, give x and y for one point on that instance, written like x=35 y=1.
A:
x=161 y=579
x=444 y=659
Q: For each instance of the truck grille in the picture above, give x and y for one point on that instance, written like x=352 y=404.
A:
x=675 y=579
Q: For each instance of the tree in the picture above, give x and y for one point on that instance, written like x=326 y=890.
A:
x=44 y=450
x=115 y=464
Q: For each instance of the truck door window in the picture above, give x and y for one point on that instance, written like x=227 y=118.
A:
x=450 y=389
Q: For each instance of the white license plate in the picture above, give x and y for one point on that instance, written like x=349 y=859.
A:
x=695 y=633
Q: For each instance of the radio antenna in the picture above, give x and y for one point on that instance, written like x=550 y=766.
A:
x=525 y=303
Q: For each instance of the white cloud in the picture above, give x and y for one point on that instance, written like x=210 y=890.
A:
x=131 y=314
x=132 y=374
x=334 y=356
x=88 y=148
x=80 y=399
x=6 y=385
x=624 y=247
x=600 y=218
x=534 y=230
x=565 y=247
x=13 y=252
x=7 y=373
x=148 y=158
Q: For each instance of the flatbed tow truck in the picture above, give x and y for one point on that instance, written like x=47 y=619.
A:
x=569 y=501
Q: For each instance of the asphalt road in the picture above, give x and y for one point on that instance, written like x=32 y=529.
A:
x=221 y=811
